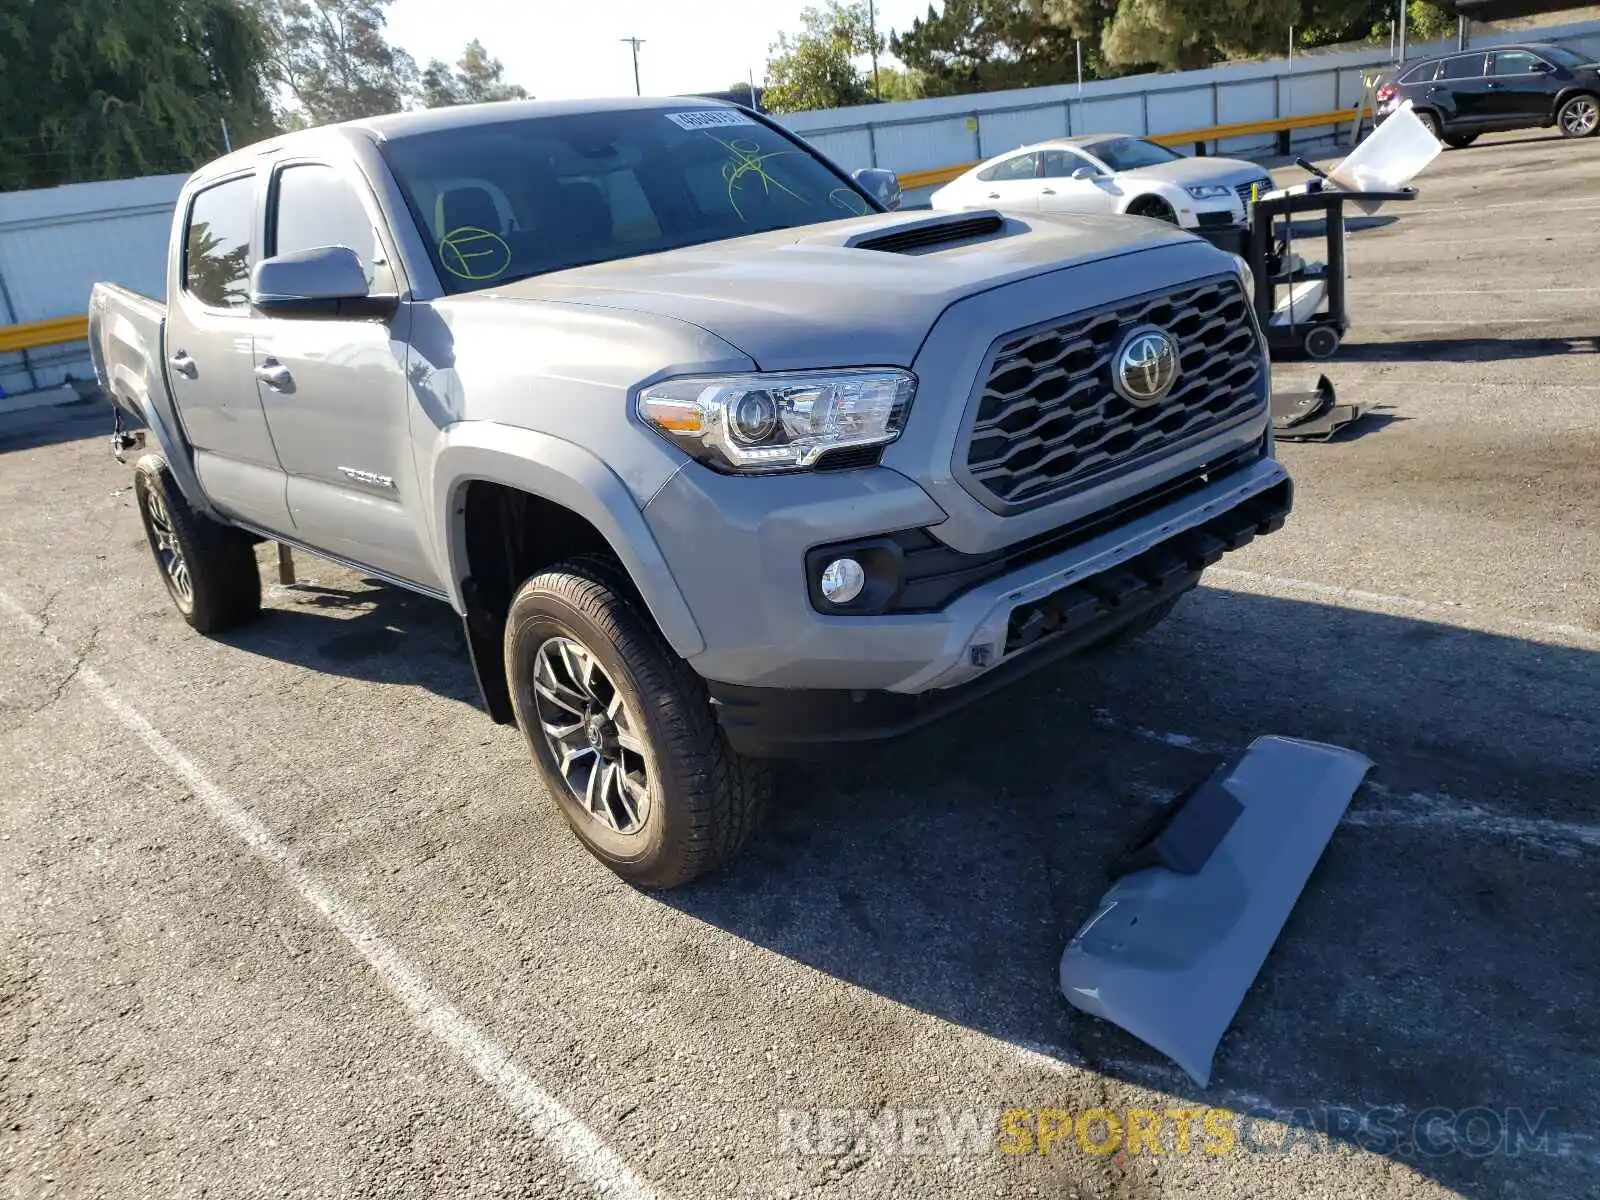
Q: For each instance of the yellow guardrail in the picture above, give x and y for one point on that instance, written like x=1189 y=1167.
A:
x=1213 y=133
x=53 y=332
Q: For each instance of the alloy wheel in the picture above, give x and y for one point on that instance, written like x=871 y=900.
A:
x=594 y=737
x=1580 y=117
x=168 y=553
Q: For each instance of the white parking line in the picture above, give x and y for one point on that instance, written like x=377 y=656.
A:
x=1269 y=583
x=566 y=1135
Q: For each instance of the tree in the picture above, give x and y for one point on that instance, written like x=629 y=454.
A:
x=1184 y=34
x=817 y=68
x=107 y=89
x=477 y=79
x=332 y=59
x=987 y=45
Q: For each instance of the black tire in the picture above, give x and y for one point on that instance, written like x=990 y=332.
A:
x=1578 y=116
x=209 y=569
x=1459 y=141
x=701 y=800
x=1321 y=342
x=1136 y=628
x=1429 y=122
x=1153 y=207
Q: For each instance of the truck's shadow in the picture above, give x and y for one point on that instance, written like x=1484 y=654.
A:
x=945 y=872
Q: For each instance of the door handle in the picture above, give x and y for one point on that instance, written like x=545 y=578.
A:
x=994 y=195
x=275 y=375
x=1047 y=191
x=1492 y=86
x=184 y=365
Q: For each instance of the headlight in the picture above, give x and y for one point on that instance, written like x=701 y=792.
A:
x=1210 y=191
x=785 y=422
x=1247 y=277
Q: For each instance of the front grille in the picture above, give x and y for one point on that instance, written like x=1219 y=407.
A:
x=1049 y=421
x=1243 y=189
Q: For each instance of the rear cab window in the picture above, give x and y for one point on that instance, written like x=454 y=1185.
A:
x=1018 y=166
x=507 y=200
x=216 y=244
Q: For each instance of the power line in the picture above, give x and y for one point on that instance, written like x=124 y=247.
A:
x=635 y=43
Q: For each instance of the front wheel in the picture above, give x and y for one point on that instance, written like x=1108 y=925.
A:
x=1579 y=117
x=622 y=731
x=1154 y=207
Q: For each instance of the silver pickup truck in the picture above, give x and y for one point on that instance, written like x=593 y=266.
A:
x=719 y=458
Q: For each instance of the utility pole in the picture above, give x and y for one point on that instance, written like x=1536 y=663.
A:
x=872 y=33
x=635 y=43
x=1402 y=33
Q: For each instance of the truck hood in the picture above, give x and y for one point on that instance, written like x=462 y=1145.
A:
x=815 y=297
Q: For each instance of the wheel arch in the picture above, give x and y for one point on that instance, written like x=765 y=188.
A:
x=511 y=502
x=1570 y=91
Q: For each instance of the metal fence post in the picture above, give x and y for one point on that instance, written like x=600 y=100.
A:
x=872 y=143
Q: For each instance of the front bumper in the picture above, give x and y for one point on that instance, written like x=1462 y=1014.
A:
x=737 y=554
x=1044 y=622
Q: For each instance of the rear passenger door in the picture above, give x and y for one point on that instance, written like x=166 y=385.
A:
x=1011 y=183
x=1464 y=89
x=209 y=355
x=335 y=389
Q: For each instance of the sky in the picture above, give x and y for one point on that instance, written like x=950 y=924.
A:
x=569 y=49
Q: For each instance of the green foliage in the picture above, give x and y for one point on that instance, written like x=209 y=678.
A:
x=332 y=59
x=107 y=89
x=1428 y=22
x=1184 y=34
x=817 y=68
x=476 y=79
x=988 y=45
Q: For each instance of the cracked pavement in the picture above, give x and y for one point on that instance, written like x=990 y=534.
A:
x=176 y=1020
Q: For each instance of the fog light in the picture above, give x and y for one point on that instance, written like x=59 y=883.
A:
x=842 y=580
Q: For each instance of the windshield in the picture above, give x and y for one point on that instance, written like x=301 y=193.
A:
x=1129 y=154
x=1563 y=57
x=503 y=201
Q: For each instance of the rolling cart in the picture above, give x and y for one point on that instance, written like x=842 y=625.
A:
x=1302 y=305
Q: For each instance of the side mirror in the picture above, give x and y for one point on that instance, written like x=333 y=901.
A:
x=1540 y=67
x=327 y=281
x=883 y=186
x=1082 y=173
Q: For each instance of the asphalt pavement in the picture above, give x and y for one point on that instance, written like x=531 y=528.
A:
x=282 y=913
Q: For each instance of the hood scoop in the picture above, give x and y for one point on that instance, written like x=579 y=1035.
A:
x=943 y=230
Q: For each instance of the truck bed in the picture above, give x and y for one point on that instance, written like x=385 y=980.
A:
x=125 y=341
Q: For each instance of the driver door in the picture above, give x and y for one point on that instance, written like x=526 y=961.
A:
x=335 y=389
x=1095 y=193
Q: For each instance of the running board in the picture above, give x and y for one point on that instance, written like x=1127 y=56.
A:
x=1202 y=894
x=1311 y=416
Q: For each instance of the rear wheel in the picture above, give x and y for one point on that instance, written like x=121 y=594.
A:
x=1459 y=141
x=622 y=731
x=209 y=569
x=1154 y=207
x=1429 y=121
x=1579 y=117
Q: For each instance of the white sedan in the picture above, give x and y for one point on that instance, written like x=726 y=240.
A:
x=1110 y=173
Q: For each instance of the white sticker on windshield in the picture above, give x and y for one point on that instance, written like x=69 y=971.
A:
x=709 y=118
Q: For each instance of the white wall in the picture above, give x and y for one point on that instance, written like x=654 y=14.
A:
x=56 y=242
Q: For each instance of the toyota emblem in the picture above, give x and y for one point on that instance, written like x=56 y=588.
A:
x=1146 y=366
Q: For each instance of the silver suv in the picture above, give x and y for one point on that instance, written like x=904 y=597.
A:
x=717 y=458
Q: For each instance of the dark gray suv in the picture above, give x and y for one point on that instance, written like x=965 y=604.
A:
x=1462 y=95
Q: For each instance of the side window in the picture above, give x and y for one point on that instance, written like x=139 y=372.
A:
x=216 y=247
x=1022 y=166
x=315 y=207
x=1423 y=74
x=1468 y=66
x=1515 y=62
x=1060 y=164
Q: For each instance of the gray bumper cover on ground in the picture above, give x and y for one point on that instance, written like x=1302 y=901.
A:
x=1168 y=956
